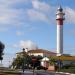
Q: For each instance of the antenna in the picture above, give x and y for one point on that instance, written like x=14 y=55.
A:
x=59 y=2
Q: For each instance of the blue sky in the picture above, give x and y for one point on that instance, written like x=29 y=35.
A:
x=25 y=22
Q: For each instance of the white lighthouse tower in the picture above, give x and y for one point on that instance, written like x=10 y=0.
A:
x=60 y=18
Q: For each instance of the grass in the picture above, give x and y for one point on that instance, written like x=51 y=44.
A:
x=9 y=72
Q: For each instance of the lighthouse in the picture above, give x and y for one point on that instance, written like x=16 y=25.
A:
x=60 y=18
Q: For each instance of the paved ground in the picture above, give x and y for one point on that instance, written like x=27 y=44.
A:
x=41 y=73
x=30 y=72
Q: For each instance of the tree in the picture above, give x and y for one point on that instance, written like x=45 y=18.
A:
x=52 y=61
x=21 y=61
x=17 y=62
x=2 y=46
x=36 y=63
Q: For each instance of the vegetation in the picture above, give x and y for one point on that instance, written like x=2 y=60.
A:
x=69 y=66
x=56 y=61
x=2 y=46
x=7 y=71
x=52 y=61
x=20 y=61
x=25 y=61
x=68 y=70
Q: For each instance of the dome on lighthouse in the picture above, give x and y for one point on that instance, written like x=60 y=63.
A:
x=60 y=9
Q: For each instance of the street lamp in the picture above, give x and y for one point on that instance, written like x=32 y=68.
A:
x=59 y=63
x=23 y=60
x=33 y=60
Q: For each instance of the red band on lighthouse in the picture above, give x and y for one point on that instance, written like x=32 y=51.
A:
x=60 y=22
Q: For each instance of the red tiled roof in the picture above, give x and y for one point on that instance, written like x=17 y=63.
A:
x=40 y=51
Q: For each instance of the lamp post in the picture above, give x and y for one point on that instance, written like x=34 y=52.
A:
x=59 y=63
x=33 y=60
x=23 y=60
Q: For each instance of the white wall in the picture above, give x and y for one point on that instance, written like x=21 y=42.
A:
x=36 y=54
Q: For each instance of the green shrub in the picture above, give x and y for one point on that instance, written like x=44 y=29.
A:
x=41 y=67
x=68 y=70
x=73 y=67
x=68 y=66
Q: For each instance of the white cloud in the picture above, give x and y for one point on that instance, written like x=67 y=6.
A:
x=26 y=44
x=8 y=2
x=70 y=15
x=15 y=46
x=10 y=16
x=3 y=29
x=41 y=6
x=45 y=9
x=32 y=29
x=19 y=33
x=35 y=15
